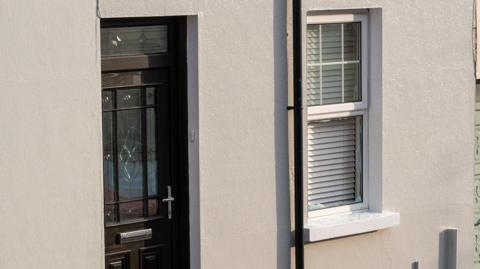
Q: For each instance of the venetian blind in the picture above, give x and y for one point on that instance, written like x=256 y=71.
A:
x=334 y=162
x=333 y=63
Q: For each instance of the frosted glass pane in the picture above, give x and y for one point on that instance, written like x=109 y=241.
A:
x=131 y=210
x=153 y=207
x=108 y=164
x=138 y=40
x=152 y=152
x=130 y=155
x=110 y=214
x=150 y=95
x=107 y=99
x=129 y=98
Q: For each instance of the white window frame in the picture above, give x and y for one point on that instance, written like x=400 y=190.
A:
x=332 y=111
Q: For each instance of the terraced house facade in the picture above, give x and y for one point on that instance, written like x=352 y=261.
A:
x=169 y=134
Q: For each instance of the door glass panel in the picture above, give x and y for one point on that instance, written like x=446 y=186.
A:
x=130 y=154
x=107 y=99
x=152 y=207
x=138 y=40
x=131 y=210
x=150 y=92
x=137 y=140
x=151 y=152
x=108 y=166
x=110 y=214
x=130 y=147
x=129 y=98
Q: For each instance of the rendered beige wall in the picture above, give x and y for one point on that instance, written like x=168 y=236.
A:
x=50 y=153
x=243 y=178
x=51 y=201
x=50 y=147
x=428 y=104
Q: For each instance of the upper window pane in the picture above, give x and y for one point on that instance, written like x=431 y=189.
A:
x=333 y=63
x=351 y=41
x=138 y=40
x=331 y=42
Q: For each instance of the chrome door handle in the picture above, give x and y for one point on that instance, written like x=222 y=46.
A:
x=169 y=200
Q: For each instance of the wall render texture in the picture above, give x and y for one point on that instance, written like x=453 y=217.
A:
x=50 y=151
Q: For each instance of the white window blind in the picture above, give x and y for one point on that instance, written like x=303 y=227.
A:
x=333 y=63
x=334 y=162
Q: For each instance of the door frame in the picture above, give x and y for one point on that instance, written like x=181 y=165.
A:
x=177 y=42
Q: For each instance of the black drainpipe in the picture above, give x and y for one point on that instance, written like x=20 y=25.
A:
x=298 y=131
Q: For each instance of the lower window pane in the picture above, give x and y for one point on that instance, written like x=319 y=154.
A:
x=334 y=162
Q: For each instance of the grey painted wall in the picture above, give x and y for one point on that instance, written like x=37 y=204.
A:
x=50 y=151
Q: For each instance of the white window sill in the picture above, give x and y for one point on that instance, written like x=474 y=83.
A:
x=330 y=227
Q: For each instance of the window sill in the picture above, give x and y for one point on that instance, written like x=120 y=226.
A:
x=330 y=227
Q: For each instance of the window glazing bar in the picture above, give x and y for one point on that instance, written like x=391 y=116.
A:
x=320 y=61
x=343 y=65
x=335 y=63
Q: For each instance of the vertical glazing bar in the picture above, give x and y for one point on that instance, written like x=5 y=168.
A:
x=343 y=65
x=162 y=141
x=115 y=155
x=320 y=51
x=157 y=92
x=359 y=59
x=144 y=151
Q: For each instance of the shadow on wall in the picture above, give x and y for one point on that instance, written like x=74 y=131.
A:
x=281 y=140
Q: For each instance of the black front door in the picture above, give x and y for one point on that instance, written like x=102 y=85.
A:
x=140 y=145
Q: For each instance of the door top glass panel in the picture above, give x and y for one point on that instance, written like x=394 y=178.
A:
x=136 y=40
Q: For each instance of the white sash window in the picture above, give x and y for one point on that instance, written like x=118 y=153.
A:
x=336 y=96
